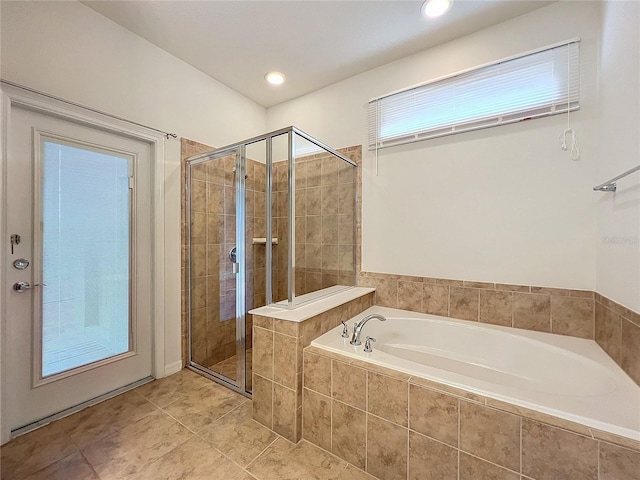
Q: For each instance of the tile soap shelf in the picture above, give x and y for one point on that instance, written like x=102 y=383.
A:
x=263 y=241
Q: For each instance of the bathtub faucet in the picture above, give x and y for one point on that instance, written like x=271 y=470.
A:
x=355 y=338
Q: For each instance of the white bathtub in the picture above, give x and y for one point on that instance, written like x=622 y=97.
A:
x=566 y=377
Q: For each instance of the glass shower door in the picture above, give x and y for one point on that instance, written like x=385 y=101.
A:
x=216 y=266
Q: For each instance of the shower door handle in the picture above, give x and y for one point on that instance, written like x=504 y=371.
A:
x=235 y=267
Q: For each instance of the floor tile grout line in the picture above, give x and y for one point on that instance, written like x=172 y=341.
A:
x=197 y=435
x=110 y=432
x=225 y=414
x=150 y=463
x=48 y=464
x=260 y=454
x=179 y=422
x=163 y=409
x=90 y=465
x=175 y=447
x=222 y=453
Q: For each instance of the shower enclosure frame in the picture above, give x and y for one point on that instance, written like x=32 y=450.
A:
x=239 y=150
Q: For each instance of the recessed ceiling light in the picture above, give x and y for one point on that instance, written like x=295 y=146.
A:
x=435 y=8
x=275 y=78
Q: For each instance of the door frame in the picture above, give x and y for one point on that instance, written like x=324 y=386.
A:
x=239 y=151
x=11 y=97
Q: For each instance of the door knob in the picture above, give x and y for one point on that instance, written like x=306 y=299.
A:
x=21 y=286
x=24 y=286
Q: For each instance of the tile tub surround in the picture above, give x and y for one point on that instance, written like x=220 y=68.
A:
x=277 y=363
x=578 y=313
x=395 y=426
x=617 y=331
x=554 y=310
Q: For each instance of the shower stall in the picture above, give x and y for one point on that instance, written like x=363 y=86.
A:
x=271 y=221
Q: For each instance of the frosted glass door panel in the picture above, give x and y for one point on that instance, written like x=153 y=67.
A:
x=86 y=256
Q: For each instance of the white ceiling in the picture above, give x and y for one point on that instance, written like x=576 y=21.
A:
x=314 y=43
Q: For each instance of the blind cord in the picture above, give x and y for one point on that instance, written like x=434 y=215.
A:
x=377 y=133
x=574 y=153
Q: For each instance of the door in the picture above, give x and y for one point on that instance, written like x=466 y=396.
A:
x=78 y=259
x=216 y=211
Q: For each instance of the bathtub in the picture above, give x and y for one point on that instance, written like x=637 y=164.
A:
x=566 y=377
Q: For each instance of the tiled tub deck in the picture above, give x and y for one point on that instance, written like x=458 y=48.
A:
x=395 y=426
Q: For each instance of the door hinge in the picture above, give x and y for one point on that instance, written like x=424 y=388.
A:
x=131 y=182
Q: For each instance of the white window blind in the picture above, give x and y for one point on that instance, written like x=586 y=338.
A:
x=532 y=85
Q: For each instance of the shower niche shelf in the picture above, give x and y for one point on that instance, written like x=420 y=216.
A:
x=263 y=241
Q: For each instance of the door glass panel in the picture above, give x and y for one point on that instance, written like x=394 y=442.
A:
x=213 y=281
x=280 y=217
x=256 y=244
x=86 y=256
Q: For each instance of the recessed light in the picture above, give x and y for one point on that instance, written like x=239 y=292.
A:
x=275 y=78
x=435 y=8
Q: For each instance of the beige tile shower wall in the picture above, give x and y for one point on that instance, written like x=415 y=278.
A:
x=213 y=235
x=280 y=229
x=326 y=191
x=617 y=331
x=399 y=427
x=255 y=254
x=277 y=364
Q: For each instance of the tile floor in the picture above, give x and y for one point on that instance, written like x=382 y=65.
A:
x=228 y=367
x=183 y=427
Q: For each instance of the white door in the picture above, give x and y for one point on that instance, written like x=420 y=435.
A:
x=78 y=317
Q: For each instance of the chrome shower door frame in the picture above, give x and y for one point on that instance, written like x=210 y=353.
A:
x=240 y=382
x=240 y=150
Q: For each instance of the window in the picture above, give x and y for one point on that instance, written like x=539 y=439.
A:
x=86 y=241
x=541 y=83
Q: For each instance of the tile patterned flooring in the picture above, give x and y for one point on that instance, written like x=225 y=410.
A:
x=183 y=427
x=228 y=367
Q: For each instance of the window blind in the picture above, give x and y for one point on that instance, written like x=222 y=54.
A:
x=532 y=85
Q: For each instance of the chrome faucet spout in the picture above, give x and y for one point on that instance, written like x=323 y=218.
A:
x=357 y=329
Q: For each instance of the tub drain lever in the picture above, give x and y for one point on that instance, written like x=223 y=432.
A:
x=367 y=344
